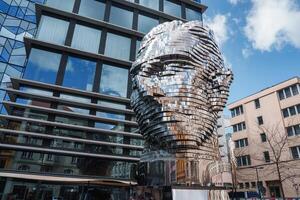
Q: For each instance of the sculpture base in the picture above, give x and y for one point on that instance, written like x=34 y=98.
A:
x=164 y=169
x=179 y=193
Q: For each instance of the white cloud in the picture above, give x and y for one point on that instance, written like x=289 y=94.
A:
x=247 y=52
x=220 y=28
x=234 y=2
x=273 y=23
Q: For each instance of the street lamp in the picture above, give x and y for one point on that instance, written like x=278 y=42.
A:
x=257 y=181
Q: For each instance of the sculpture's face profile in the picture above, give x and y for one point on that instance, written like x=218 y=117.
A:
x=179 y=86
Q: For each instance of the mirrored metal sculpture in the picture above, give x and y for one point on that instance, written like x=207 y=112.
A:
x=180 y=84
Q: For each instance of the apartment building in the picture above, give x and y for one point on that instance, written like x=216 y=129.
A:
x=69 y=132
x=266 y=122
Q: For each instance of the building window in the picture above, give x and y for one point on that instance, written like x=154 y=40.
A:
x=86 y=38
x=237 y=111
x=257 y=103
x=290 y=111
x=61 y=5
x=266 y=156
x=115 y=88
x=241 y=143
x=121 y=17
x=289 y=91
x=295 y=152
x=50 y=157
x=79 y=74
x=247 y=185
x=253 y=184
x=92 y=8
x=146 y=23
x=239 y=127
x=243 y=160
x=117 y=46
x=241 y=185
x=74 y=160
x=263 y=137
x=52 y=30
x=68 y=171
x=27 y=155
x=42 y=66
x=192 y=14
x=24 y=168
x=293 y=130
x=172 y=8
x=153 y=4
x=260 y=120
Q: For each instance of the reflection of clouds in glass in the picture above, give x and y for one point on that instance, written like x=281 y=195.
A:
x=114 y=81
x=110 y=116
x=37 y=91
x=79 y=73
x=75 y=98
x=44 y=59
x=111 y=105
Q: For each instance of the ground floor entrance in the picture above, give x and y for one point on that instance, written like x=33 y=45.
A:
x=18 y=189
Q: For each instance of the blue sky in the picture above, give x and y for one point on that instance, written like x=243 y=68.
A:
x=260 y=40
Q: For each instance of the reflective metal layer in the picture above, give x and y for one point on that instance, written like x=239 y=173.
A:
x=180 y=84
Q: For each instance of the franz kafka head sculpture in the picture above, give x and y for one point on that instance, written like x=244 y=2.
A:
x=180 y=84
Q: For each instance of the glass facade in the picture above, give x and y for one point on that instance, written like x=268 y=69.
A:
x=76 y=68
x=52 y=30
x=121 y=16
x=86 y=38
x=61 y=5
x=117 y=46
x=114 y=81
x=71 y=117
x=193 y=14
x=172 y=8
x=92 y=8
x=42 y=66
x=154 y=4
x=145 y=23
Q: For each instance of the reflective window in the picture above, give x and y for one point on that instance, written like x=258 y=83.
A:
x=42 y=66
x=33 y=90
x=138 y=45
x=154 y=4
x=192 y=14
x=61 y=5
x=108 y=126
x=86 y=38
x=172 y=8
x=52 y=30
x=76 y=98
x=92 y=8
x=79 y=74
x=145 y=23
x=114 y=81
x=121 y=17
x=117 y=46
x=71 y=120
x=73 y=109
x=111 y=105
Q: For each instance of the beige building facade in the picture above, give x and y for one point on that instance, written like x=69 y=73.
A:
x=266 y=128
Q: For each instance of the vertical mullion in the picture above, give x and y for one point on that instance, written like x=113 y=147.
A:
x=183 y=13
x=61 y=69
x=76 y=6
x=70 y=32
x=107 y=10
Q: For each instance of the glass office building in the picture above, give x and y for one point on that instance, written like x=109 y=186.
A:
x=69 y=132
x=17 y=19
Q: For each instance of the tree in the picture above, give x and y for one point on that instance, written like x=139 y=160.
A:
x=277 y=142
